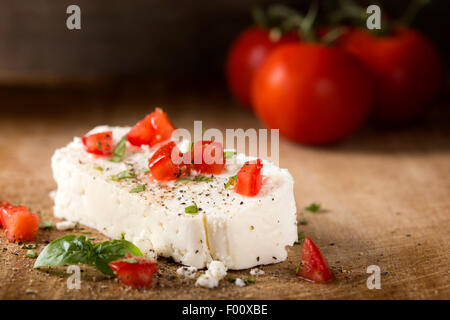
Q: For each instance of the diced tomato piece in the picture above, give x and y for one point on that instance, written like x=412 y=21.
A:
x=99 y=143
x=3 y=203
x=249 y=179
x=162 y=166
x=154 y=128
x=134 y=271
x=19 y=223
x=313 y=265
x=207 y=157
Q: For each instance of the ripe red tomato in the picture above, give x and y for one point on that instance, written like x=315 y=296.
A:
x=3 y=204
x=313 y=265
x=210 y=158
x=407 y=69
x=154 y=128
x=98 y=143
x=314 y=94
x=161 y=165
x=19 y=223
x=249 y=179
x=246 y=54
x=133 y=271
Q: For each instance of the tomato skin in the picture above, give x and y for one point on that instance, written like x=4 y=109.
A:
x=98 y=143
x=249 y=179
x=208 y=149
x=136 y=275
x=3 y=204
x=407 y=68
x=246 y=54
x=312 y=93
x=161 y=166
x=154 y=128
x=313 y=266
x=19 y=223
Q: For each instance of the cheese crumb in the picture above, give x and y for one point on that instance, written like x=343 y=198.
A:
x=239 y=282
x=65 y=225
x=217 y=269
x=210 y=279
x=256 y=272
x=187 y=272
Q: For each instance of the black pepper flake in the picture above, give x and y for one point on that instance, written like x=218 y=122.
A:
x=242 y=202
x=331 y=244
x=257 y=258
x=196 y=251
x=275 y=258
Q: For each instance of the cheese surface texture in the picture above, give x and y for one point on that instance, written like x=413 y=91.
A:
x=241 y=232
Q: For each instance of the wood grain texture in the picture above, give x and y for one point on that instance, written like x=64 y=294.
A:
x=386 y=197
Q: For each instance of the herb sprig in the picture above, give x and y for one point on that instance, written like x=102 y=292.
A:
x=119 y=150
x=313 y=207
x=193 y=209
x=123 y=175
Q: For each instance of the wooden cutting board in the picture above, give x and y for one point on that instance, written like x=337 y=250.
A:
x=385 y=194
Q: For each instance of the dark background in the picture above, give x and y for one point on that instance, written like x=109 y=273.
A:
x=182 y=42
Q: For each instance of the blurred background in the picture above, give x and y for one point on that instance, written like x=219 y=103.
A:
x=170 y=44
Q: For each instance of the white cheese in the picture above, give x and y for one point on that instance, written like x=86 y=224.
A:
x=240 y=231
x=65 y=225
x=210 y=279
x=239 y=282
x=256 y=272
x=207 y=280
x=187 y=272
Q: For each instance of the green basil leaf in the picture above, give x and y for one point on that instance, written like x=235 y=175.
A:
x=139 y=188
x=112 y=250
x=191 y=209
x=123 y=175
x=119 y=150
x=314 y=207
x=67 y=250
x=203 y=178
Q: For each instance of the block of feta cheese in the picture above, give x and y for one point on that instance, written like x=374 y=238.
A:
x=240 y=231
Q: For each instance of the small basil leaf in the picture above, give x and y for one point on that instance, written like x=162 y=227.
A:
x=112 y=250
x=119 y=150
x=67 y=250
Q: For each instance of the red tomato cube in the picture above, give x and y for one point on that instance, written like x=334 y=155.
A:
x=249 y=179
x=313 y=265
x=99 y=143
x=162 y=166
x=207 y=157
x=19 y=223
x=3 y=203
x=154 y=128
x=133 y=271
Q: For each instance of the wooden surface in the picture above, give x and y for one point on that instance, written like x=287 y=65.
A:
x=386 y=196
